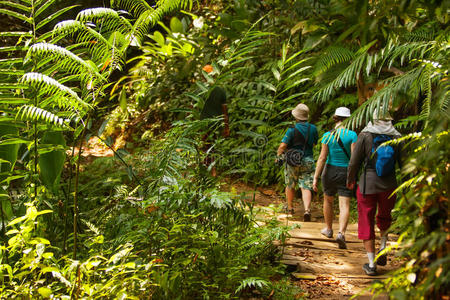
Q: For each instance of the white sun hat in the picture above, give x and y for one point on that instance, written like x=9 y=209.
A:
x=301 y=112
x=342 y=112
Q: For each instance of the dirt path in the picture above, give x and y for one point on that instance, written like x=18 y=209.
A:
x=318 y=266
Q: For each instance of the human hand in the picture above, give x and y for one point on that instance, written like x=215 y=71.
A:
x=315 y=189
x=351 y=186
x=279 y=160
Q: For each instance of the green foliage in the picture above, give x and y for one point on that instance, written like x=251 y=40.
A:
x=51 y=162
x=164 y=228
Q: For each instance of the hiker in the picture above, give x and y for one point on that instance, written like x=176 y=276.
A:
x=376 y=184
x=337 y=146
x=297 y=148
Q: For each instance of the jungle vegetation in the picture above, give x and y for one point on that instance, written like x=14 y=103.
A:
x=137 y=75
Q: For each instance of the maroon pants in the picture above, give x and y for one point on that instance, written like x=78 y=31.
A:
x=367 y=207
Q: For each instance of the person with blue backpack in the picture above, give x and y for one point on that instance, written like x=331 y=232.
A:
x=332 y=165
x=376 y=184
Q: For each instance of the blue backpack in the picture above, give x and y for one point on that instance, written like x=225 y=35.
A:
x=384 y=161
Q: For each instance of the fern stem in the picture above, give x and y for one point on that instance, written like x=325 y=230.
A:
x=66 y=206
x=3 y=231
x=75 y=197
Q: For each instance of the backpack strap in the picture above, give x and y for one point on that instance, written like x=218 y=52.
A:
x=341 y=144
x=299 y=138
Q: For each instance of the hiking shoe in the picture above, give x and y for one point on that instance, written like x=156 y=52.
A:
x=291 y=211
x=327 y=232
x=370 y=271
x=340 y=239
x=382 y=259
x=306 y=217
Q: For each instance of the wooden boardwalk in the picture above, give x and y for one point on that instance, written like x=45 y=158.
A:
x=317 y=259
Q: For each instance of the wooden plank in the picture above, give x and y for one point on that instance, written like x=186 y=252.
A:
x=325 y=249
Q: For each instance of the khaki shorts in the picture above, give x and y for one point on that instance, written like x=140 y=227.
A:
x=300 y=176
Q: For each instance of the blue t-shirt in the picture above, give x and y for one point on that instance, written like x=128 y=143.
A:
x=336 y=156
x=302 y=127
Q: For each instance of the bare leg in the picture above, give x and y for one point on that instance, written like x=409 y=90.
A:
x=290 y=195
x=328 y=210
x=306 y=197
x=344 y=212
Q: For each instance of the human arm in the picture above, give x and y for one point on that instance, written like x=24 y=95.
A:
x=320 y=164
x=281 y=149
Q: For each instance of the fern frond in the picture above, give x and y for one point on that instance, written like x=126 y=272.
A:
x=67 y=27
x=15 y=33
x=64 y=58
x=107 y=18
x=393 y=86
x=332 y=56
x=147 y=18
x=16 y=15
x=48 y=85
x=33 y=113
x=344 y=79
x=53 y=17
x=10 y=4
x=134 y=7
x=252 y=282
x=405 y=52
x=425 y=77
x=362 y=62
x=98 y=46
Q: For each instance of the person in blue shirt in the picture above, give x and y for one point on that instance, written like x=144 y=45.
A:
x=301 y=137
x=337 y=146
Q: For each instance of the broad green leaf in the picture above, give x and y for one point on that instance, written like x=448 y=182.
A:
x=8 y=152
x=49 y=269
x=123 y=100
x=45 y=292
x=6 y=207
x=52 y=163
x=17 y=220
x=159 y=38
x=176 y=25
x=47 y=255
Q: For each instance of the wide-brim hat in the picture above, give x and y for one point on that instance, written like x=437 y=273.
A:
x=301 y=112
x=342 y=112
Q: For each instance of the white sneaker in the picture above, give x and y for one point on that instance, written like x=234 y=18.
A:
x=327 y=232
